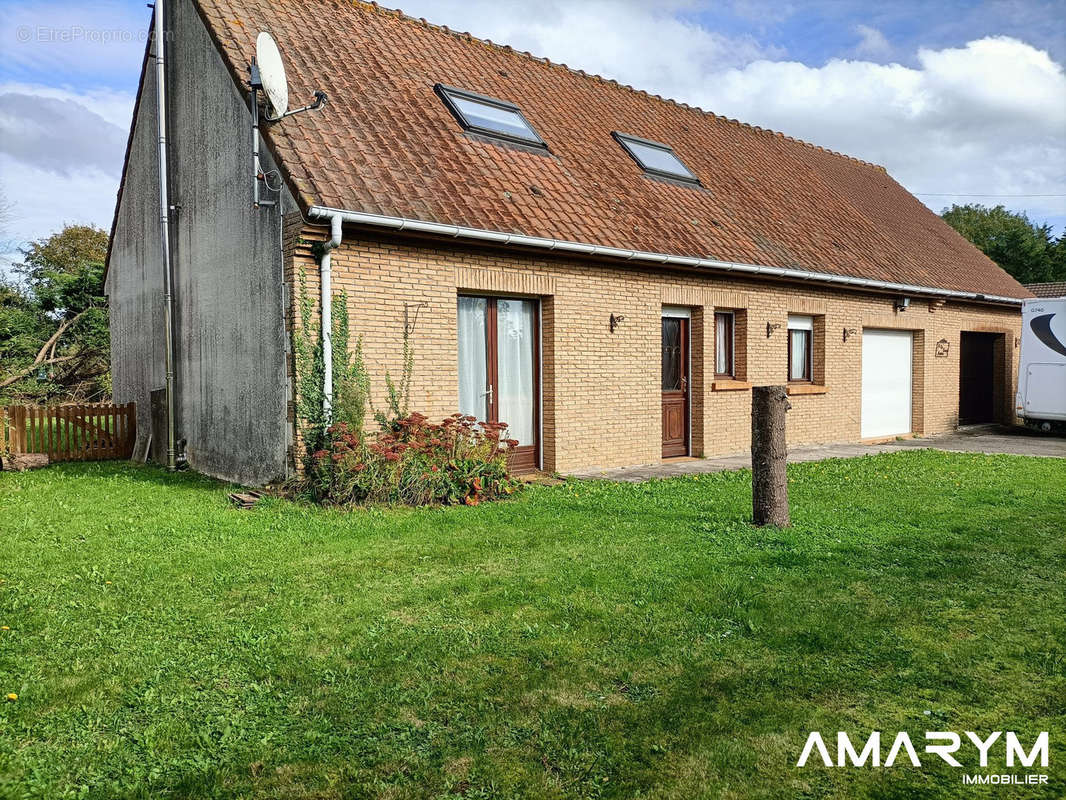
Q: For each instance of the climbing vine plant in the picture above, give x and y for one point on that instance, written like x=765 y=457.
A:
x=310 y=371
x=398 y=392
x=351 y=381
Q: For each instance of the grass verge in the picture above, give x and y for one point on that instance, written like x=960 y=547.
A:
x=586 y=640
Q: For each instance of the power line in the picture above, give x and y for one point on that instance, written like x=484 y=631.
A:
x=961 y=194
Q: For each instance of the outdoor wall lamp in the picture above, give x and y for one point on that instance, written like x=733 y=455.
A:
x=771 y=327
x=902 y=303
x=616 y=320
x=848 y=333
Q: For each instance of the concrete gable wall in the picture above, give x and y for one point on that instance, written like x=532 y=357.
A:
x=230 y=344
x=135 y=275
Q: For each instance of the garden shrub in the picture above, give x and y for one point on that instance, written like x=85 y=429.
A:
x=413 y=462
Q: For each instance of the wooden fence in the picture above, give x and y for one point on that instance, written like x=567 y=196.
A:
x=95 y=432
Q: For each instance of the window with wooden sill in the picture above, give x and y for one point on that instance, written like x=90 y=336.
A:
x=730 y=362
x=806 y=388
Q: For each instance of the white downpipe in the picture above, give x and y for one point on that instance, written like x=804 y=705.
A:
x=326 y=304
x=164 y=223
x=399 y=224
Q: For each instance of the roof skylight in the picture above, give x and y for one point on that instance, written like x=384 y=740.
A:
x=489 y=116
x=655 y=158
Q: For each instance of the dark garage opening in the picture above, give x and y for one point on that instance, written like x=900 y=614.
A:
x=978 y=390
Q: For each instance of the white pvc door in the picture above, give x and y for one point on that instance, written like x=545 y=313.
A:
x=886 y=382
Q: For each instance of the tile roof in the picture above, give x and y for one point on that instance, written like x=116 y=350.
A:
x=1053 y=289
x=386 y=144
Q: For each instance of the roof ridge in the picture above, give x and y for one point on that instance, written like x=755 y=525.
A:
x=466 y=35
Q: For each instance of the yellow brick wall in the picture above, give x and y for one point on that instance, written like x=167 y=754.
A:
x=601 y=395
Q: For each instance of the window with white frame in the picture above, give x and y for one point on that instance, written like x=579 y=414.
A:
x=724 y=344
x=800 y=347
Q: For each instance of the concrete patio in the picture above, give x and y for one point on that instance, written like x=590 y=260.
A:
x=989 y=439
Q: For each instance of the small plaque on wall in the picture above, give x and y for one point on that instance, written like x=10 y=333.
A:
x=942 y=348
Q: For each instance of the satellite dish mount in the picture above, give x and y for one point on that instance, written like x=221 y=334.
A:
x=267 y=75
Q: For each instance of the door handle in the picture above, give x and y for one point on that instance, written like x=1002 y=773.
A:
x=487 y=393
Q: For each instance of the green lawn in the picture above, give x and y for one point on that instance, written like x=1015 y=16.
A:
x=586 y=640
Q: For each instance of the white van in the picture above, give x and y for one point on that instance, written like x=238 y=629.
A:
x=1041 y=399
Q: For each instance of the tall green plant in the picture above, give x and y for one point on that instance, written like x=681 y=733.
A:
x=310 y=373
x=351 y=383
x=398 y=393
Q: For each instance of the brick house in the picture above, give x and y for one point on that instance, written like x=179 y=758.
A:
x=606 y=270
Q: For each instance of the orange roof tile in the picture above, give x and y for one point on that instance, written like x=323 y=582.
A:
x=1052 y=289
x=386 y=144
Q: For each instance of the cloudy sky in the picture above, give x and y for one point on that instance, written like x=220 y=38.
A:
x=961 y=101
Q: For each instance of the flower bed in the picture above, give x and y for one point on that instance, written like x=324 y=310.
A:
x=413 y=462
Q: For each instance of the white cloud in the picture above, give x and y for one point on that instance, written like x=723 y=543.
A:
x=643 y=44
x=987 y=117
x=61 y=145
x=63 y=135
x=999 y=81
x=116 y=107
x=60 y=156
x=872 y=43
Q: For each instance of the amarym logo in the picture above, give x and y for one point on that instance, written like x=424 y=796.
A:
x=902 y=745
x=1042 y=328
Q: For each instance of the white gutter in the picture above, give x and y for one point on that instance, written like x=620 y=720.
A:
x=326 y=303
x=400 y=224
x=164 y=224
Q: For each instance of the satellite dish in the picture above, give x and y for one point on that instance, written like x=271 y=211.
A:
x=272 y=74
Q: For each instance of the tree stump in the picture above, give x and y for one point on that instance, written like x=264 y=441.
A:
x=20 y=462
x=769 y=482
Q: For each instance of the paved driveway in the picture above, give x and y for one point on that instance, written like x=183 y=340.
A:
x=978 y=439
x=993 y=439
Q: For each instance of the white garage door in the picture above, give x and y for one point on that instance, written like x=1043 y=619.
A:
x=886 y=382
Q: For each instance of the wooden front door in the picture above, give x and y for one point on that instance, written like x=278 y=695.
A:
x=675 y=387
x=499 y=369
